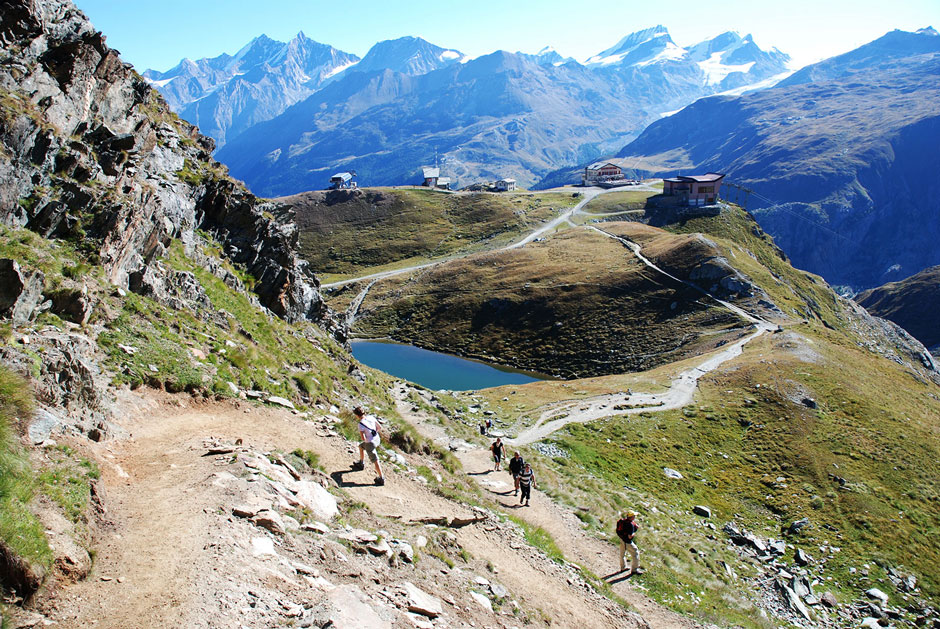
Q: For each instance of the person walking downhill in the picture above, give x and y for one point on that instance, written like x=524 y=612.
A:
x=626 y=530
x=516 y=463
x=369 y=442
x=499 y=451
x=526 y=483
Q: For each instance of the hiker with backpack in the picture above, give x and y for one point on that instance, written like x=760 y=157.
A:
x=516 y=464
x=626 y=530
x=369 y=442
x=499 y=451
x=526 y=483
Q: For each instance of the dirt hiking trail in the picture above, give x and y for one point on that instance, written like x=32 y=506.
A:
x=170 y=554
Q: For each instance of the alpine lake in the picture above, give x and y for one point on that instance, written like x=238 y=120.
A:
x=436 y=370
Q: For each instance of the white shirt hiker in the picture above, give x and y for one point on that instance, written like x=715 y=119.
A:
x=369 y=426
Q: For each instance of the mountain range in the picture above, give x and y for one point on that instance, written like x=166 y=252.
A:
x=841 y=158
x=502 y=114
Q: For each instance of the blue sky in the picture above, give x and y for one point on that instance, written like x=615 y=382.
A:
x=158 y=33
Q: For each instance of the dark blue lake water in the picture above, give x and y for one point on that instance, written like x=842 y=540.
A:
x=435 y=370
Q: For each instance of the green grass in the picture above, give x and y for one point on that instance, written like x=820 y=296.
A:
x=539 y=538
x=20 y=530
x=578 y=304
x=66 y=480
x=396 y=227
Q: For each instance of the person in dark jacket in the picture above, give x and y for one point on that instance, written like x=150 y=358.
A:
x=626 y=530
x=516 y=463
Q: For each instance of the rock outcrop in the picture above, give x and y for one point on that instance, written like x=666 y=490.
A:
x=91 y=153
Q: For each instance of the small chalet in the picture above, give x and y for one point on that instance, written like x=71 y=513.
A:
x=599 y=172
x=341 y=181
x=443 y=183
x=505 y=185
x=694 y=190
x=431 y=175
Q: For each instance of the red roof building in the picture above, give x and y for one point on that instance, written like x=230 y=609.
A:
x=694 y=189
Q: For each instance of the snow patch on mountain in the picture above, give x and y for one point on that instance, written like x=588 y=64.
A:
x=716 y=71
x=670 y=53
x=339 y=69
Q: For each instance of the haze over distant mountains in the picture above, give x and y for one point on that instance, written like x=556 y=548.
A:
x=843 y=154
x=503 y=114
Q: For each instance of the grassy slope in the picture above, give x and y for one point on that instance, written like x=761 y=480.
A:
x=875 y=427
x=577 y=303
x=348 y=233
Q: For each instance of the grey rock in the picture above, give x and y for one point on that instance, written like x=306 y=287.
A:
x=793 y=601
x=797 y=526
x=20 y=292
x=42 y=425
x=801 y=557
x=703 y=511
x=420 y=602
x=875 y=593
x=280 y=402
x=671 y=473
x=829 y=600
x=498 y=590
x=347 y=607
x=777 y=546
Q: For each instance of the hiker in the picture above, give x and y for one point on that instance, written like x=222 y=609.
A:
x=483 y=428
x=369 y=442
x=489 y=425
x=526 y=483
x=499 y=451
x=516 y=463
x=626 y=529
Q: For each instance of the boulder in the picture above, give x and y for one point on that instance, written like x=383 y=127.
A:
x=876 y=594
x=671 y=473
x=829 y=600
x=72 y=304
x=793 y=601
x=797 y=526
x=274 y=399
x=801 y=557
x=482 y=601
x=270 y=520
x=379 y=547
x=347 y=607
x=20 y=292
x=703 y=511
x=313 y=496
x=43 y=424
x=420 y=602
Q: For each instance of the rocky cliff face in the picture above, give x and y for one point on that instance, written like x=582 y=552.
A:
x=91 y=152
x=91 y=157
x=912 y=303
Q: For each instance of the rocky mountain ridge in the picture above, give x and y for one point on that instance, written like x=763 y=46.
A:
x=912 y=303
x=227 y=94
x=839 y=166
x=497 y=115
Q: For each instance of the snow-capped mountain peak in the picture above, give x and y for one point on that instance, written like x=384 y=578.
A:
x=640 y=48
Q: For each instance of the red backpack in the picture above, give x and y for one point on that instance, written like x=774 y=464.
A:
x=624 y=529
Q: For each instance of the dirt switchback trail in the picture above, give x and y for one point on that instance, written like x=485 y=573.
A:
x=596 y=555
